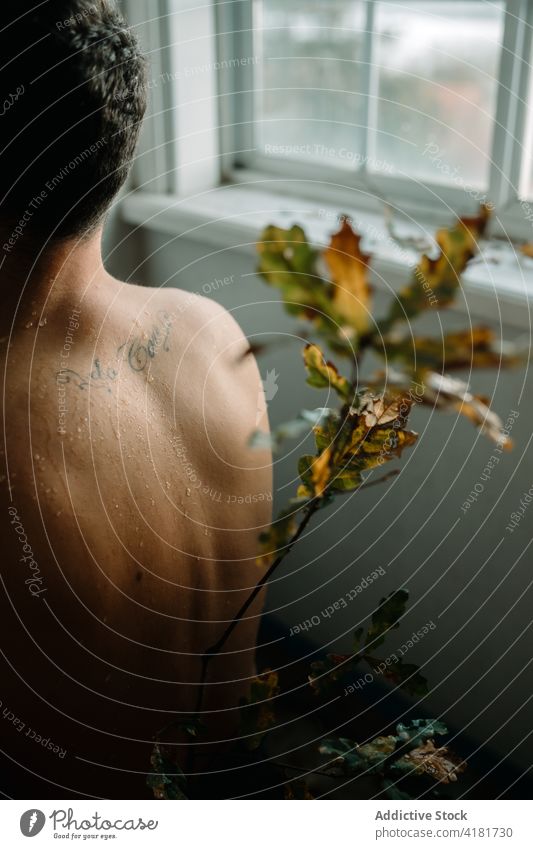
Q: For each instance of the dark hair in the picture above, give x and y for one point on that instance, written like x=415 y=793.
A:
x=72 y=98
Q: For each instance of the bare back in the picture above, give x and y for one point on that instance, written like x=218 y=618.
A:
x=132 y=507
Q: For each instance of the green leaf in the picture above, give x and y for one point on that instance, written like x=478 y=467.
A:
x=323 y=374
x=345 y=480
x=333 y=672
x=465 y=349
x=288 y=262
x=315 y=473
x=166 y=779
x=256 y=711
x=436 y=280
x=418 y=730
x=351 y=758
x=386 y=617
x=344 y=754
x=371 y=434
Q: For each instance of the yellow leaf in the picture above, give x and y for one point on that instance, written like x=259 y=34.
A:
x=349 y=269
x=257 y=713
x=321 y=471
x=450 y=393
x=376 y=410
x=440 y=764
x=324 y=374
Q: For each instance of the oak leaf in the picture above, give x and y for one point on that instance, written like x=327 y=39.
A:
x=349 y=268
x=324 y=374
x=439 y=763
x=256 y=711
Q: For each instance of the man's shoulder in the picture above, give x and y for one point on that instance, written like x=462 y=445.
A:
x=203 y=345
x=213 y=375
x=195 y=315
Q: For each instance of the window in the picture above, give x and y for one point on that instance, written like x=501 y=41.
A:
x=425 y=104
x=422 y=101
x=436 y=67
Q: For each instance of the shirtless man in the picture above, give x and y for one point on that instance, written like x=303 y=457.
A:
x=131 y=504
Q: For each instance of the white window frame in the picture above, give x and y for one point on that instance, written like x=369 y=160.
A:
x=168 y=181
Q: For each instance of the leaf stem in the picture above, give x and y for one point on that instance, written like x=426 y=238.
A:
x=217 y=647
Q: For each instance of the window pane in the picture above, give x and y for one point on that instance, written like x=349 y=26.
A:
x=437 y=66
x=308 y=101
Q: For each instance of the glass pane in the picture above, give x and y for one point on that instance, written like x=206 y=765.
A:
x=437 y=66
x=309 y=102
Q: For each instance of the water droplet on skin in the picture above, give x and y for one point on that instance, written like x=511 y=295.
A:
x=42 y=322
x=116 y=505
x=188 y=491
x=29 y=324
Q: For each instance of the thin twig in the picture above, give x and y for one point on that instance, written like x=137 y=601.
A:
x=217 y=647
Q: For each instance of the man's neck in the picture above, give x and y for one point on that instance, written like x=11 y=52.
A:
x=59 y=273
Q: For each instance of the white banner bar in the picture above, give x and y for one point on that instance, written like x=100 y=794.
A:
x=268 y=825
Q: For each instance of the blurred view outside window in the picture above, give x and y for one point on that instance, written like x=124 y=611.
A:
x=405 y=88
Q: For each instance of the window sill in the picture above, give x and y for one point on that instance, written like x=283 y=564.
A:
x=496 y=288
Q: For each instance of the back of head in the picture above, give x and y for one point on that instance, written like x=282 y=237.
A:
x=72 y=98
